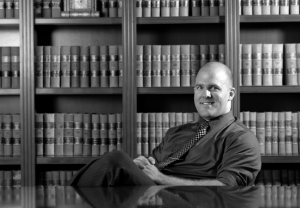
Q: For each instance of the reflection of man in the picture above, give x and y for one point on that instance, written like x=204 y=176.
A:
x=217 y=150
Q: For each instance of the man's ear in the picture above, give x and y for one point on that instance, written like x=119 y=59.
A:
x=231 y=94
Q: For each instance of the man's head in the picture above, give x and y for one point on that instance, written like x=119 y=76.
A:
x=213 y=90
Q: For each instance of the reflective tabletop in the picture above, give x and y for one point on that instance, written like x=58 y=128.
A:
x=151 y=196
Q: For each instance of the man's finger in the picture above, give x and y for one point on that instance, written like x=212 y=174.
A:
x=151 y=160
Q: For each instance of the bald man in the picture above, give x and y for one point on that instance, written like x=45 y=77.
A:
x=216 y=151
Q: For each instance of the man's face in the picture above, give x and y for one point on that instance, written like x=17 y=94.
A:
x=212 y=93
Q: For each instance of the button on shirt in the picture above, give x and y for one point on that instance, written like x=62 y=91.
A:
x=229 y=152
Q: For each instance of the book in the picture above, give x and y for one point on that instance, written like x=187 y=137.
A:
x=294 y=7
x=165 y=123
x=152 y=132
x=6 y=67
x=213 y=8
x=268 y=130
x=276 y=178
x=247 y=65
x=80 y=14
x=196 y=8
x=277 y=56
x=39 y=134
x=295 y=134
x=213 y=53
x=49 y=134
x=47 y=68
x=190 y=117
x=69 y=135
x=266 y=7
x=7 y=135
x=175 y=65
x=275 y=133
x=291 y=64
x=172 y=119
x=145 y=134
x=104 y=8
x=174 y=8
x=246 y=119
x=298 y=61
x=240 y=65
x=166 y=65
x=95 y=66
x=119 y=132
x=104 y=72
x=260 y=131
x=221 y=7
x=284 y=6
x=165 y=8
x=15 y=67
x=16 y=9
x=62 y=178
x=75 y=66
x=247 y=7
x=9 y=11
x=107 y=134
x=84 y=66
x=147 y=65
x=113 y=66
x=39 y=68
x=95 y=135
x=139 y=66
x=275 y=7
x=204 y=7
x=139 y=134
x=146 y=8
x=252 y=126
x=55 y=177
x=288 y=133
x=120 y=63
x=1 y=138
x=195 y=63
x=158 y=128
x=113 y=8
x=55 y=66
x=87 y=135
x=155 y=8
x=59 y=135
x=183 y=8
x=56 y=8
x=257 y=64
x=16 y=179
x=139 y=8
x=185 y=65
x=46 y=9
x=65 y=67
x=204 y=55
x=221 y=50
x=281 y=133
x=156 y=66
x=16 y=135
x=7 y=178
x=178 y=119
x=38 y=8
x=78 y=134
x=257 y=7
x=120 y=8
x=267 y=64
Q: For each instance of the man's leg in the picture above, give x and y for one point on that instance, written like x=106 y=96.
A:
x=112 y=168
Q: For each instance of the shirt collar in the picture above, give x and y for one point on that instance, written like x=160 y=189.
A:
x=220 y=120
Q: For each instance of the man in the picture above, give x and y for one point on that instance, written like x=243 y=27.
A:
x=216 y=151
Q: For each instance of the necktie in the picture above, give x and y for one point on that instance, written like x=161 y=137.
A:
x=185 y=147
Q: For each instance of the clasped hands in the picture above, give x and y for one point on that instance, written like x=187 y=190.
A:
x=148 y=167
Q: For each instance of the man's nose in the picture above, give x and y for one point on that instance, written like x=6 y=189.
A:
x=207 y=93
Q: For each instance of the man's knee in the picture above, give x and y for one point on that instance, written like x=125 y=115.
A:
x=116 y=157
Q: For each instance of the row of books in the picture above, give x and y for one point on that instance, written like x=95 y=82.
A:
x=54 y=177
x=10 y=178
x=79 y=66
x=278 y=177
x=10 y=131
x=277 y=132
x=269 y=7
x=268 y=64
x=174 y=65
x=10 y=67
x=68 y=135
x=179 y=8
x=152 y=127
x=9 y=9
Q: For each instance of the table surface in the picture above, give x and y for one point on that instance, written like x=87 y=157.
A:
x=151 y=196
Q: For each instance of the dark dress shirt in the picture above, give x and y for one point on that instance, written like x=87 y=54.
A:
x=229 y=152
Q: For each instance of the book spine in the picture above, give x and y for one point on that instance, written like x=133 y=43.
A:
x=120 y=64
x=1 y=137
x=277 y=64
x=47 y=62
x=6 y=67
x=112 y=132
x=213 y=53
x=267 y=63
x=253 y=122
x=281 y=133
x=48 y=181
x=119 y=132
x=69 y=135
x=156 y=66
x=104 y=78
x=152 y=132
x=174 y=8
x=59 y=135
x=260 y=131
x=268 y=129
x=56 y=8
x=299 y=131
x=247 y=65
x=240 y=65
x=16 y=135
x=172 y=119
x=38 y=5
x=46 y=11
x=62 y=178
x=104 y=8
x=222 y=58
x=295 y=134
x=139 y=66
x=257 y=64
x=2 y=9
x=15 y=67
x=146 y=8
x=84 y=66
x=196 y=8
x=266 y=7
x=284 y=6
x=55 y=177
x=298 y=61
x=39 y=134
x=139 y=8
x=275 y=7
x=120 y=8
x=204 y=55
x=165 y=123
x=183 y=8
x=16 y=9
x=291 y=64
x=165 y=8
x=247 y=7
x=139 y=134
x=246 y=119
x=275 y=133
x=276 y=178
x=190 y=117
x=288 y=133
x=49 y=133
x=178 y=119
x=65 y=66
x=294 y=7
x=257 y=7
x=155 y=8
x=204 y=7
x=113 y=8
x=184 y=118
x=213 y=7
x=147 y=65
x=78 y=134
x=195 y=63
x=95 y=66
x=175 y=65
x=75 y=66
x=158 y=128
x=113 y=66
x=55 y=66
x=95 y=135
x=166 y=65
x=185 y=54
x=16 y=179
x=104 y=133
x=8 y=178
x=87 y=135
x=145 y=134
x=221 y=7
x=9 y=11
x=268 y=177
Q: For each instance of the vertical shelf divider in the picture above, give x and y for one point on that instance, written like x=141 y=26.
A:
x=129 y=95
x=232 y=27
x=27 y=92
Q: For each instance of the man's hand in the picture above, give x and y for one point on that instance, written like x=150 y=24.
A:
x=142 y=161
x=152 y=171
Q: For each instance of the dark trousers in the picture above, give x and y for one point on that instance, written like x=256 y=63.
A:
x=111 y=169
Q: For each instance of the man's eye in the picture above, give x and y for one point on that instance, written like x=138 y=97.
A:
x=198 y=87
x=214 y=88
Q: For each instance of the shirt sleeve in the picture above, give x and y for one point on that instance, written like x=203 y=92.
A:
x=241 y=160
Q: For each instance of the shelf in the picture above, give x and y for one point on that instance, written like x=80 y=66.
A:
x=10 y=160
x=79 y=91
x=9 y=22
x=64 y=160
x=180 y=20
x=270 y=89
x=79 y=21
x=9 y=92
x=280 y=159
x=269 y=18
x=165 y=90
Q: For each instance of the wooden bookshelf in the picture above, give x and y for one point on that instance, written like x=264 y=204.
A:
x=78 y=21
x=269 y=18
x=79 y=91
x=165 y=90
x=180 y=20
x=10 y=92
x=63 y=160
x=270 y=89
x=9 y=22
x=10 y=161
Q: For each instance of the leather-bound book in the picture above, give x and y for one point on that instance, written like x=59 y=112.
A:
x=9 y=9
x=6 y=67
x=146 y=8
x=65 y=66
x=120 y=63
x=47 y=66
x=165 y=8
x=15 y=67
x=281 y=133
x=95 y=135
x=78 y=134
x=175 y=65
x=257 y=7
x=257 y=64
x=16 y=135
x=247 y=65
x=247 y=7
x=221 y=55
x=275 y=7
x=155 y=8
x=104 y=8
x=166 y=65
x=183 y=8
x=46 y=9
x=277 y=56
x=204 y=55
x=196 y=11
x=158 y=128
x=291 y=64
x=104 y=134
x=156 y=66
x=113 y=8
x=113 y=66
x=253 y=122
x=56 y=8
x=195 y=63
x=87 y=135
x=112 y=132
x=120 y=8
x=104 y=72
x=39 y=134
x=165 y=123
x=185 y=65
x=49 y=134
x=139 y=134
x=69 y=135
x=84 y=66
x=147 y=65
x=261 y=131
x=2 y=9
x=145 y=134
x=295 y=133
x=39 y=66
x=174 y=8
x=288 y=133
x=267 y=64
x=75 y=66
x=139 y=8
x=119 y=132
x=213 y=8
x=178 y=119
x=222 y=7
x=268 y=130
x=294 y=7
x=275 y=133
x=59 y=135
x=266 y=7
x=284 y=7
x=55 y=66
x=95 y=66
x=152 y=132
x=139 y=66
x=204 y=8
